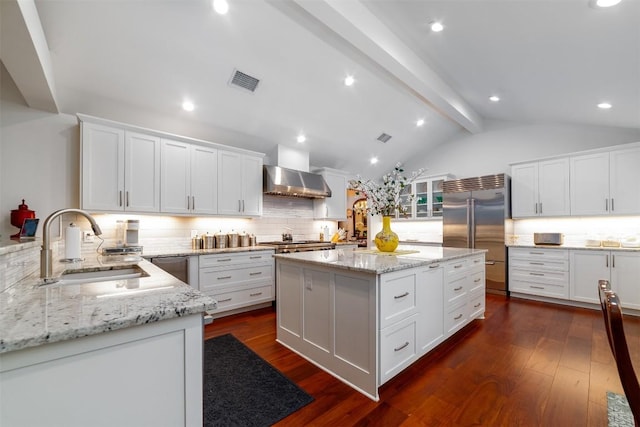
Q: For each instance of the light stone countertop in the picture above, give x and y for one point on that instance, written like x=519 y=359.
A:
x=32 y=315
x=365 y=261
x=158 y=253
x=8 y=246
x=581 y=247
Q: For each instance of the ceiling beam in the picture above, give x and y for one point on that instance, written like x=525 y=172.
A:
x=358 y=26
x=25 y=53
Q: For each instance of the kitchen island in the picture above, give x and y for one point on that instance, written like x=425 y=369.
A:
x=364 y=316
x=126 y=351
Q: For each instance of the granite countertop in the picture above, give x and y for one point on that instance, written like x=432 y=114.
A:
x=8 y=246
x=32 y=315
x=575 y=246
x=406 y=256
x=166 y=252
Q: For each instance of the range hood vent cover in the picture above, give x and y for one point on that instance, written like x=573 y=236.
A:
x=244 y=81
x=280 y=181
x=384 y=137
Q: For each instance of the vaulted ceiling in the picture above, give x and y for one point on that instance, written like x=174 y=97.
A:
x=550 y=61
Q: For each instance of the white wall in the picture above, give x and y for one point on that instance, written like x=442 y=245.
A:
x=503 y=143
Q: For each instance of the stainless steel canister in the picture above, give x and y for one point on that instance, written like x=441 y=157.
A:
x=196 y=242
x=221 y=240
x=208 y=241
x=232 y=240
x=252 y=240
x=243 y=238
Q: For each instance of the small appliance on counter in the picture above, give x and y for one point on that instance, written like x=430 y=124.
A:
x=19 y=218
x=553 y=239
x=131 y=232
x=122 y=254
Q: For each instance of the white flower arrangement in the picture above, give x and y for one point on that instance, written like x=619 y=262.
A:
x=384 y=198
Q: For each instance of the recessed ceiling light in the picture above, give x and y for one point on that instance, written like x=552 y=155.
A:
x=604 y=3
x=301 y=138
x=374 y=160
x=420 y=122
x=494 y=98
x=221 y=6
x=349 y=80
x=188 y=106
x=604 y=105
x=436 y=27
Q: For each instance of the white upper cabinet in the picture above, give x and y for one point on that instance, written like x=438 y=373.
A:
x=334 y=207
x=189 y=178
x=120 y=170
x=606 y=183
x=423 y=199
x=239 y=184
x=540 y=188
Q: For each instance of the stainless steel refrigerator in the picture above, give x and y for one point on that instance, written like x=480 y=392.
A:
x=477 y=214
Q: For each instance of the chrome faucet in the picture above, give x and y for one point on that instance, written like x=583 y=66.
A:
x=46 y=268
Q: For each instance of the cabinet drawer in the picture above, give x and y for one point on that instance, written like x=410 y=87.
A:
x=477 y=281
x=455 y=291
x=476 y=305
x=218 y=277
x=242 y=297
x=476 y=263
x=459 y=266
x=398 y=347
x=539 y=253
x=397 y=299
x=541 y=289
x=455 y=319
x=251 y=257
x=556 y=278
x=540 y=264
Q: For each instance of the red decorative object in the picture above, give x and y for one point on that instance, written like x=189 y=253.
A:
x=19 y=215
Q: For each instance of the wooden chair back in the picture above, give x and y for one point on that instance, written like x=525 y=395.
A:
x=612 y=313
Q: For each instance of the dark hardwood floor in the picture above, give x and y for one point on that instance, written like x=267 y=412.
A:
x=526 y=364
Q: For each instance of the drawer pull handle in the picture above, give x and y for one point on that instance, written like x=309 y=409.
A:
x=401 y=296
x=255 y=257
x=536 y=253
x=402 y=346
x=475 y=261
x=458 y=317
x=434 y=266
x=224 y=260
x=477 y=305
x=224 y=277
x=256 y=294
x=536 y=263
x=256 y=273
x=457 y=266
x=477 y=280
x=225 y=300
x=536 y=274
x=537 y=287
x=459 y=288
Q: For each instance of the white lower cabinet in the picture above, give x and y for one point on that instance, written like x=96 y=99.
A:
x=431 y=321
x=398 y=347
x=543 y=272
x=237 y=280
x=464 y=279
x=621 y=268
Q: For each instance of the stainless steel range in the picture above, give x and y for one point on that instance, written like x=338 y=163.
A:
x=286 y=247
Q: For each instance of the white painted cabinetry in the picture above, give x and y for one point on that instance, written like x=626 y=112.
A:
x=239 y=184
x=540 y=188
x=334 y=207
x=189 y=178
x=543 y=272
x=621 y=268
x=423 y=199
x=464 y=292
x=237 y=280
x=120 y=170
x=604 y=183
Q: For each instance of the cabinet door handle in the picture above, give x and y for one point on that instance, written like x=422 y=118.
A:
x=239 y=205
x=402 y=346
x=477 y=280
x=242 y=205
x=120 y=198
x=613 y=261
x=536 y=207
x=606 y=263
x=224 y=277
x=193 y=202
x=256 y=273
x=225 y=300
x=127 y=197
x=477 y=305
x=540 y=207
x=188 y=206
x=459 y=288
x=256 y=294
x=612 y=209
x=536 y=274
x=458 y=317
x=606 y=205
x=401 y=296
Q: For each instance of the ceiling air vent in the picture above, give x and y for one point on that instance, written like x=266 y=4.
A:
x=245 y=81
x=384 y=137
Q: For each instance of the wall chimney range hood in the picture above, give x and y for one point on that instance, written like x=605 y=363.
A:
x=281 y=181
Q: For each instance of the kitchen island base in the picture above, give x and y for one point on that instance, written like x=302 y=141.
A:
x=365 y=325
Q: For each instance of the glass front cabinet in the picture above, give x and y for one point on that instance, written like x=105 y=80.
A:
x=427 y=200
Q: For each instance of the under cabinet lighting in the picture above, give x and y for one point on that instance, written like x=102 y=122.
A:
x=604 y=105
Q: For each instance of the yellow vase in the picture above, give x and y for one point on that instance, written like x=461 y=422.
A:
x=386 y=240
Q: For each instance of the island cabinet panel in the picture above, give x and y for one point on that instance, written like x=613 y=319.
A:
x=89 y=381
x=431 y=296
x=316 y=300
x=289 y=307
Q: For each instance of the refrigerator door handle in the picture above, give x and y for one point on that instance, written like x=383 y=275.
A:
x=472 y=229
x=468 y=223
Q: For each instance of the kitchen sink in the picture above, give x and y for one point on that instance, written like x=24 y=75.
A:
x=92 y=275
